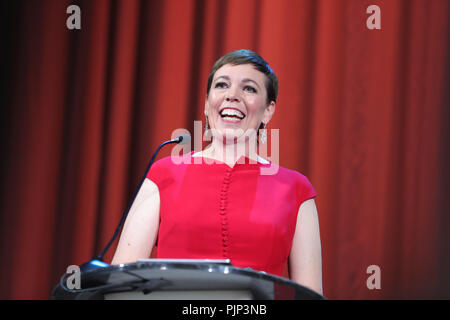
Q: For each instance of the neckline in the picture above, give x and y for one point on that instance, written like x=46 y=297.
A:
x=243 y=161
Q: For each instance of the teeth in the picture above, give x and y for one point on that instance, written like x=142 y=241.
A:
x=232 y=112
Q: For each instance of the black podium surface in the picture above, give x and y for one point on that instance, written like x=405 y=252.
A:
x=158 y=279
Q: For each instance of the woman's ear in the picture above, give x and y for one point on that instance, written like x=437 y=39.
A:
x=206 y=107
x=268 y=112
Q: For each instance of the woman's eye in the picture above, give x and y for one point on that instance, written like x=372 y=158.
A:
x=250 y=89
x=220 y=85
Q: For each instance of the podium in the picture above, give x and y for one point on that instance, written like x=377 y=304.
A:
x=174 y=279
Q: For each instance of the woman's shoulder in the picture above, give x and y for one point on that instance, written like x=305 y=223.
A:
x=297 y=182
x=167 y=167
x=289 y=179
x=290 y=176
x=173 y=160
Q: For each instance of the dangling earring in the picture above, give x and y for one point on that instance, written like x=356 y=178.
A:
x=263 y=134
x=206 y=134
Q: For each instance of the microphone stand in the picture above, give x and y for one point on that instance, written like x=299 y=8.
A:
x=97 y=261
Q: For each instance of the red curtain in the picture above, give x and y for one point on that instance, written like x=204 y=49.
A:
x=362 y=113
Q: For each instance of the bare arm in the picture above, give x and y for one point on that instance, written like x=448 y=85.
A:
x=141 y=226
x=305 y=260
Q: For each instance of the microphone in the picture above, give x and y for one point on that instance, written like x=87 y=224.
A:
x=184 y=139
x=97 y=261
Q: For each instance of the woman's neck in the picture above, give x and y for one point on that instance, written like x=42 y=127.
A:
x=230 y=152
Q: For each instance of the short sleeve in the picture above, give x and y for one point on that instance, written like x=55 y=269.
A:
x=161 y=172
x=307 y=190
x=166 y=171
x=156 y=170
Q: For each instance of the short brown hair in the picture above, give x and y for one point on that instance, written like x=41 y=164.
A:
x=245 y=56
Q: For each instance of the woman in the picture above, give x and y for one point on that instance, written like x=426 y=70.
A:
x=217 y=204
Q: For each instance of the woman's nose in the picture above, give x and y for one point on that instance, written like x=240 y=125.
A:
x=232 y=95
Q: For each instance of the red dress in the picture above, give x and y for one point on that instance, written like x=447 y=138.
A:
x=212 y=211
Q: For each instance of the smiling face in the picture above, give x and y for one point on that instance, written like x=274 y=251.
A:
x=237 y=101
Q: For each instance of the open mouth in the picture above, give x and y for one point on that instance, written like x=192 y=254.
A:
x=231 y=115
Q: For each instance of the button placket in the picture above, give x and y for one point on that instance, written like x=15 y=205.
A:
x=222 y=211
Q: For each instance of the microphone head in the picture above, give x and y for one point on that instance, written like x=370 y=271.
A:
x=184 y=139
